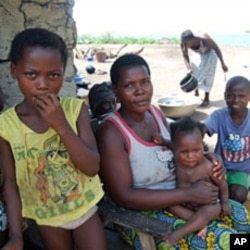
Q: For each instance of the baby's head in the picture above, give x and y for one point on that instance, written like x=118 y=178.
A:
x=185 y=125
x=237 y=93
x=101 y=99
x=187 y=138
x=37 y=37
x=127 y=60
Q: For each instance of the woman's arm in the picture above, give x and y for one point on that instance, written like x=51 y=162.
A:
x=209 y=42
x=12 y=198
x=117 y=177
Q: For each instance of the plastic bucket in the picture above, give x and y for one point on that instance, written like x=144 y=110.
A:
x=189 y=83
x=100 y=56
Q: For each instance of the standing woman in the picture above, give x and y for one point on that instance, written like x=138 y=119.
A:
x=203 y=63
x=139 y=174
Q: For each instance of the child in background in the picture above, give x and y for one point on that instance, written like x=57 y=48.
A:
x=101 y=100
x=48 y=151
x=192 y=166
x=232 y=125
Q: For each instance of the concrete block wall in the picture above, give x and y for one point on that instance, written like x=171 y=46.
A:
x=17 y=15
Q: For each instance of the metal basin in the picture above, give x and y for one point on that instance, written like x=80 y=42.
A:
x=176 y=106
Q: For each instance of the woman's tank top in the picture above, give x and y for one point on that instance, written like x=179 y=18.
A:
x=152 y=165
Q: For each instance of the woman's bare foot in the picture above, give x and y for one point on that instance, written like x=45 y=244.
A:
x=196 y=93
x=204 y=104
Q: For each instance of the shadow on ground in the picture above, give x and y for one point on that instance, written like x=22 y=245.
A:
x=218 y=103
x=199 y=115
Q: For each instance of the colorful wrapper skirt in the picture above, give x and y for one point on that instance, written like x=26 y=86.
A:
x=218 y=231
x=3 y=217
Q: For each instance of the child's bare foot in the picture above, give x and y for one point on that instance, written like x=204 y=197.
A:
x=171 y=239
x=202 y=233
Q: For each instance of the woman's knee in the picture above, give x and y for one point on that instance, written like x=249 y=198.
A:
x=238 y=193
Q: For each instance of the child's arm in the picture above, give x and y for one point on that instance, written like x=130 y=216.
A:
x=82 y=146
x=223 y=195
x=158 y=139
x=224 y=199
x=12 y=198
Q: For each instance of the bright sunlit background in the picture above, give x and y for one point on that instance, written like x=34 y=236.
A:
x=160 y=18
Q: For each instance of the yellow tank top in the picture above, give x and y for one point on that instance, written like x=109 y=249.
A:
x=53 y=192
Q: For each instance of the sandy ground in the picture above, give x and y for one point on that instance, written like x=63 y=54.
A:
x=167 y=69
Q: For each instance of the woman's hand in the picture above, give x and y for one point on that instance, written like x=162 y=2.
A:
x=203 y=192
x=219 y=170
x=224 y=67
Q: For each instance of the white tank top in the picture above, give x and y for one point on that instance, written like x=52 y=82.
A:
x=152 y=165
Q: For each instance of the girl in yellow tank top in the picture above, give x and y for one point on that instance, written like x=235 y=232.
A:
x=48 y=151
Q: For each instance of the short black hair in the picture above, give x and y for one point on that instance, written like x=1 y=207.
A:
x=233 y=81
x=186 y=125
x=125 y=61
x=187 y=34
x=97 y=94
x=37 y=37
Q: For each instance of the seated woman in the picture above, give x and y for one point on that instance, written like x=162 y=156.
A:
x=140 y=175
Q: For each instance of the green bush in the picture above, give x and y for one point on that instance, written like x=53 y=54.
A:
x=108 y=38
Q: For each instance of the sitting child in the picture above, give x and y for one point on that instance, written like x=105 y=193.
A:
x=232 y=125
x=101 y=100
x=192 y=166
